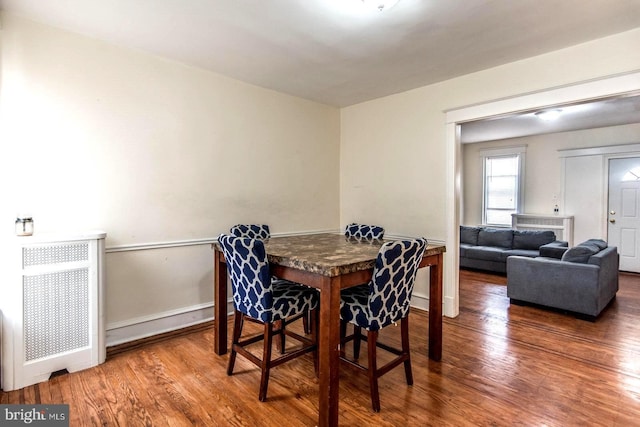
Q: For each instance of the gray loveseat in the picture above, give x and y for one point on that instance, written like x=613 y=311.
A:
x=584 y=280
x=488 y=248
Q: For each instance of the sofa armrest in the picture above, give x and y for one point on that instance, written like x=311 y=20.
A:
x=554 y=249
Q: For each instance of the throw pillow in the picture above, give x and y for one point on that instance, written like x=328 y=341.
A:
x=579 y=254
x=469 y=235
x=532 y=239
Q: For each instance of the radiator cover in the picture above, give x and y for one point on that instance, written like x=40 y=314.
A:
x=562 y=226
x=53 y=316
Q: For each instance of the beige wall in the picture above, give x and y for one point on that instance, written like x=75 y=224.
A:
x=152 y=150
x=95 y=136
x=543 y=174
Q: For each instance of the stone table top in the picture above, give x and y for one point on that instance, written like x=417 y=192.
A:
x=328 y=254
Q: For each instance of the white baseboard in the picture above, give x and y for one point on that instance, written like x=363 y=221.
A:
x=143 y=327
x=420 y=301
x=449 y=309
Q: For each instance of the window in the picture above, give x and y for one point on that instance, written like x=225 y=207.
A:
x=503 y=171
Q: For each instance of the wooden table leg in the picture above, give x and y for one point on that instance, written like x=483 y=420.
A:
x=220 y=303
x=435 y=309
x=328 y=351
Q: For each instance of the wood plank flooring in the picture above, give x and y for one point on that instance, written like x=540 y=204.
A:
x=502 y=365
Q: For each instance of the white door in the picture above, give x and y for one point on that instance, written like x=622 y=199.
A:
x=624 y=211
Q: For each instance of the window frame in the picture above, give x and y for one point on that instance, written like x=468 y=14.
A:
x=520 y=153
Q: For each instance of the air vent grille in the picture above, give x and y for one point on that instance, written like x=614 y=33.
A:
x=55 y=254
x=56 y=313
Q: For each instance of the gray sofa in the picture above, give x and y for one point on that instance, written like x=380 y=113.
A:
x=486 y=248
x=583 y=281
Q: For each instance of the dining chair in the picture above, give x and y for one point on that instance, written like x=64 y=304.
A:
x=261 y=231
x=253 y=231
x=257 y=299
x=378 y=304
x=363 y=231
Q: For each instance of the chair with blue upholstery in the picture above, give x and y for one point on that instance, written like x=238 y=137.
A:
x=380 y=303
x=262 y=232
x=252 y=231
x=273 y=304
x=362 y=231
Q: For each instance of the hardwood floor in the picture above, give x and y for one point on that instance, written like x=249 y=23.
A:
x=502 y=365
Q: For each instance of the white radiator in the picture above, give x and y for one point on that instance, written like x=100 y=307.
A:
x=53 y=316
x=562 y=226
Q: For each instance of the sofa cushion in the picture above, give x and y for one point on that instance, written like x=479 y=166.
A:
x=495 y=237
x=463 y=249
x=599 y=243
x=532 y=239
x=486 y=253
x=469 y=234
x=531 y=253
x=554 y=249
x=580 y=253
x=593 y=247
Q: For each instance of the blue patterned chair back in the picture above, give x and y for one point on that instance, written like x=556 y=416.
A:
x=362 y=231
x=392 y=283
x=252 y=231
x=250 y=277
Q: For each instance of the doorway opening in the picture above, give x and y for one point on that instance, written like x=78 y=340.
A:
x=608 y=87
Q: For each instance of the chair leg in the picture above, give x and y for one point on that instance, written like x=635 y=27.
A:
x=357 y=333
x=404 y=331
x=281 y=342
x=372 y=339
x=237 y=332
x=306 y=323
x=314 y=317
x=343 y=334
x=266 y=361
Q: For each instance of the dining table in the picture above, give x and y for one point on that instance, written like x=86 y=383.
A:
x=329 y=262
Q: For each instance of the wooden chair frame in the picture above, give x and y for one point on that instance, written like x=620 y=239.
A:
x=373 y=372
x=271 y=329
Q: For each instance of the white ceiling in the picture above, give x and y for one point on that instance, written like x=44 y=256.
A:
x=601 y=113
x=338 y=52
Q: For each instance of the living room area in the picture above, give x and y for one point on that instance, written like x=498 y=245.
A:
x=524 y=173
x=565 y=360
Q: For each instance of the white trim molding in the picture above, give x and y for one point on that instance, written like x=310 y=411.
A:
x=146 y=326
x=191 y=242
x=620 y=84
x=520 y=153
x=420 y=301
x=624 y=149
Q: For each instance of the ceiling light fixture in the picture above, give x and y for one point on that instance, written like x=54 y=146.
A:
x=380 y=4
x=549 y=114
